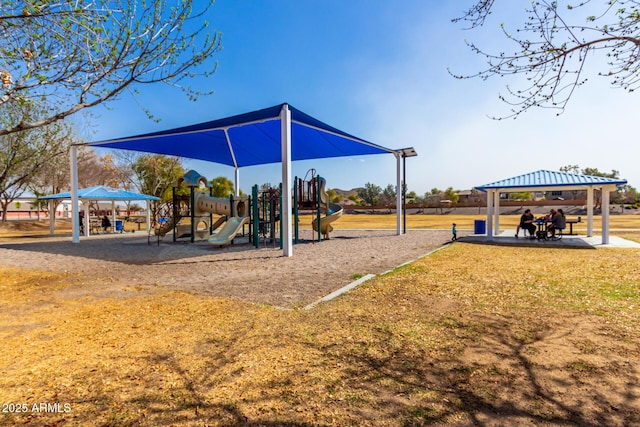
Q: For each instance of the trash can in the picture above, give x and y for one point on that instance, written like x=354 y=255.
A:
x=119 y=226
x=480 y=226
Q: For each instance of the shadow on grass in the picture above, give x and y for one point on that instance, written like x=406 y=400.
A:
x=487 y=370
x=413 y=386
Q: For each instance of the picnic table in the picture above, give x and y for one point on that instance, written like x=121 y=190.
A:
x=138 y=220
x=570 y=223
x=95 y=225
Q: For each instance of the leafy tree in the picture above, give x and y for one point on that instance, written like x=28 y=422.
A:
x=623 y=194
x=388 y=197
x=23 y=154
x=369 y=194
x=116 y=171
x=433 y=193
x=433 y=196
x=627 y=194
x=71 y=55
x=92 y=169
x=115 y=175
x=525 y=195
x=595 y=172
x=53 y=176
x=155 y=175
x=412 y=197
x=570 y=169
x=553 y=45
x=334 y=196
x=452 y=195
x=590 y=171
x=222 y=186
x=479 y=198
x=135 y=207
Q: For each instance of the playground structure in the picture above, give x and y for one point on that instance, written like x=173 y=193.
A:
x=261 y=212
x=312 y=195
x=199 y=207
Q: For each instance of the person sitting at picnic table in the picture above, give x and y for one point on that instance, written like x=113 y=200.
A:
x=558 y=222
x=81 y=220
x=106 y=224
x=527 y=223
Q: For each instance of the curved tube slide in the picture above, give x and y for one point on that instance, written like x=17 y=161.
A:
x=206 y=204
x=333 y=212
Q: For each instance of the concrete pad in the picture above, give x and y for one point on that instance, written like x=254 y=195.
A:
x=507 y=237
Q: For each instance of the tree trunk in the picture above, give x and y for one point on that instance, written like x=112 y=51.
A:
x=4 y=211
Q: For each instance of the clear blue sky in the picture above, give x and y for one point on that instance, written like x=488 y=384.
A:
x=377 y=69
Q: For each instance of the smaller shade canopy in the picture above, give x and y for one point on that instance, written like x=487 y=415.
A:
x=543 y=179
x=102 y=192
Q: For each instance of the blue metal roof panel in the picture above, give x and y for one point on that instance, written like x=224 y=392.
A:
x=102 y=192
x=547 y=178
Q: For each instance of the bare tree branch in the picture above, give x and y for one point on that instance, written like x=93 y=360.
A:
x=553 y=45
x=73 y=55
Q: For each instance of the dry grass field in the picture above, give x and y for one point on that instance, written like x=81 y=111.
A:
x=469 y=335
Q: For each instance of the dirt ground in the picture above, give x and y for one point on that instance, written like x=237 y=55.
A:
x=238 y=271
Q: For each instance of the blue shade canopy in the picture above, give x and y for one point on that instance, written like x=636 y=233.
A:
x=249 y=139
x=547 y=178
x=102 y=192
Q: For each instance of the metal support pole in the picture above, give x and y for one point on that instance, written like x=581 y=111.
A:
x=605 y=215
x=285 y=146
x=237 y=182
x=75 y=209
x=210 y=213
x=589 y=211
x=175 y=212
x=319 y=208
x=256 y=216
x=404 y=196
x=398 y=195
x=496 y=210
x=296 y=212
x=280 y=196
x=490 y=214
x=192 y=213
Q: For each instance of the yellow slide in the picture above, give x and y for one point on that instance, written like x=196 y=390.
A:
x=229 y=231
x=333 y=212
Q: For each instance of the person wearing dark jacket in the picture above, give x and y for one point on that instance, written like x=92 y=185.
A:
x=527 y=223
x=558 y=222
x=106 y=224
